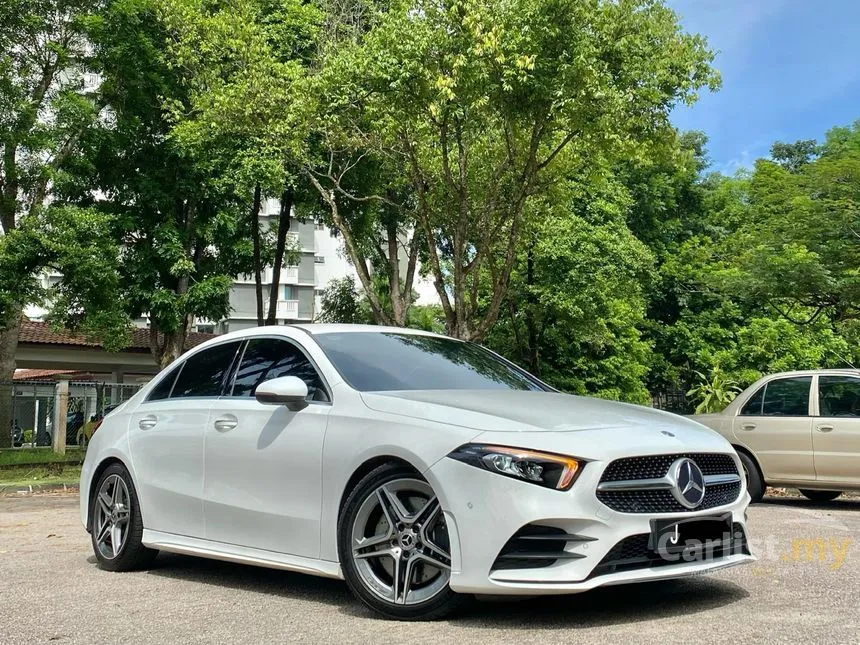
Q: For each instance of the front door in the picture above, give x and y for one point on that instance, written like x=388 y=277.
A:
x=166 y=441
x=776 y=426
x=836 y=437
x=262 y=462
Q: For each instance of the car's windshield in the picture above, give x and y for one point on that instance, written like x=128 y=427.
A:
x=376 y=361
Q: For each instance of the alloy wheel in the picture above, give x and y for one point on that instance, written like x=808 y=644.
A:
x=112 y=514
x=400 y=544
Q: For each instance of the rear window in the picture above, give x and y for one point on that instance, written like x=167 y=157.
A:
x=204 y=373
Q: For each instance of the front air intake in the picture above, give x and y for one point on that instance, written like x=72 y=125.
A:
x=535 y=546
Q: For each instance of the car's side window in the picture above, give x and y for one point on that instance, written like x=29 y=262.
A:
x=162 y=389
x=268 y=358
x=787 y=397
x=752 y=408
x=204 y=373
x=838 y=396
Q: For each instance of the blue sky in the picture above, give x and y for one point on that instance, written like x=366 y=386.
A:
x=790 y=70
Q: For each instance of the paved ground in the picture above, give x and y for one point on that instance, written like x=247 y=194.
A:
x=52 y=592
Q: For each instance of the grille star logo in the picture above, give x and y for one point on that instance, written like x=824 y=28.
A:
x=688 y=483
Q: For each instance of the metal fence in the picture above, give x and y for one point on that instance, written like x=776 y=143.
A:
x=672 y=401
x=36 y=406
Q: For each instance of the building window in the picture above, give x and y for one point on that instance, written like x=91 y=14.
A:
x=290 y=292
x=319 y=259
x=319 y=226
x=206 y=328
x=319 y=292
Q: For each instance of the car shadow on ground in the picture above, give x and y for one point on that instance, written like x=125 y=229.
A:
x=249 y=578
x=602 y=606
x=622 y=604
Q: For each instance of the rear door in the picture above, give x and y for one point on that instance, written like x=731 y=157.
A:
x=775 y=424
x=166 y=441
x=836 y=437
x=263 y=462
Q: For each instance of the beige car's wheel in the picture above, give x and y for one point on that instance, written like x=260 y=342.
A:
x=755 y=482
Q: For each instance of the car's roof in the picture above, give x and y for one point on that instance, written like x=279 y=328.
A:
x=835 y=370
x=338 y=328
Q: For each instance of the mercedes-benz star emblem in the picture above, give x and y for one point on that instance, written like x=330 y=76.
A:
x=689 y=483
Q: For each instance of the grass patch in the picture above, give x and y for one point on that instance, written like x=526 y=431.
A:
x=14 y=456
x=49 y=474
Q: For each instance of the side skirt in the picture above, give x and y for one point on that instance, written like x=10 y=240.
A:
x=242 y=555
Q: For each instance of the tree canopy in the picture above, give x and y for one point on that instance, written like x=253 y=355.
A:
x=518 y=154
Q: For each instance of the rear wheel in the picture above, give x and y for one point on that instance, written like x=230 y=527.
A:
x=117 y=527
x=755 y=482
x=394 y=548
x=820 y=495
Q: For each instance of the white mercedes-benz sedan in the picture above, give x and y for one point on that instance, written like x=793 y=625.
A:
x=417 y=467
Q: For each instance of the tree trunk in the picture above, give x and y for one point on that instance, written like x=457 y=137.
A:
x=258 y=270
x=166 y=348
x=287 y=198
x=398 y=306
x=8 y=347
x=531 y=314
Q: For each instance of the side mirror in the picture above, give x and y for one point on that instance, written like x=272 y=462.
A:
x=290 y=391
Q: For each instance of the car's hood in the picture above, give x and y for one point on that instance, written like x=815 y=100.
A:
x=545 y=420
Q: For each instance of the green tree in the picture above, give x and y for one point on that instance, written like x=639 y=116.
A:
x=183 y=237
x=576 y=303
x=341 y=303
x=243 y=120
x=799 y=251
x=43 y=112
x=478 y=100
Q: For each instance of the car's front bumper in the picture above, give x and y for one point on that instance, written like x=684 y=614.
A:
x=484 y=510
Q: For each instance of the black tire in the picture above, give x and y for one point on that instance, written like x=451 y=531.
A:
x=439 y=605
x=755 y=482
x=820 y=495
x=132 y=554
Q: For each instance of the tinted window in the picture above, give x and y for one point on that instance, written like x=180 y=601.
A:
x=268 y=358
x=162 y=389
x=753 y=406
x=788 y=397
x=838 y=396
x=203 y=374
x=375 y=361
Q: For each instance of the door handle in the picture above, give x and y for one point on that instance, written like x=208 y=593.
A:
x=148 y=422
x=748 y=426
x=225 y=423
x=825 y=428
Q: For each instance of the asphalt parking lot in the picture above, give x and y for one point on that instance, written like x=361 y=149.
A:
x=804 y=588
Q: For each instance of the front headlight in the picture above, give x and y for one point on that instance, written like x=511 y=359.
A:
x=541 y=468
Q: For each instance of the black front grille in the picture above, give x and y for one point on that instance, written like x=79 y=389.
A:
x=535 y=546
x=634 y=553
x=655 y=466
x=662 y=501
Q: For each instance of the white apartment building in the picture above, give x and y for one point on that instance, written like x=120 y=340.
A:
x=300 y=287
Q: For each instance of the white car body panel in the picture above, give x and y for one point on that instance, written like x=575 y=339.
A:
x=168 y=460
x=262 y=487
x=269 y=490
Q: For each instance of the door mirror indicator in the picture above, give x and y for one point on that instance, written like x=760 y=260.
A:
x=290 y=391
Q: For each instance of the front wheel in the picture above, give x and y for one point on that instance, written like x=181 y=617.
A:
x=820 y=495
x=394 y=548
x=117 y=527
